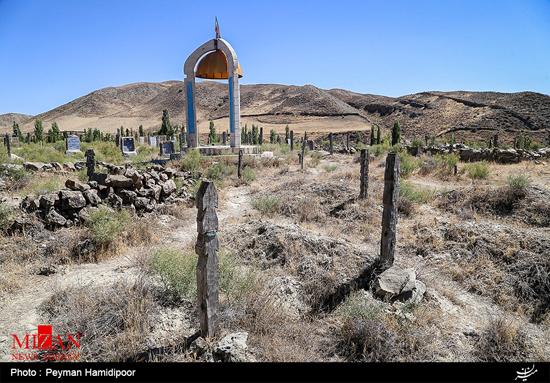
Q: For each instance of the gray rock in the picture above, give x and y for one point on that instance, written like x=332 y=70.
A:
x=168 y=187
x=30 y=203
x=92 y=197
x=232 y=348
x=118 y=181
x=69 y=166
x=33 y=166
x=49 y=200
x=392 y=282
x=75 y=185
x=71 y=200
x=54 y=218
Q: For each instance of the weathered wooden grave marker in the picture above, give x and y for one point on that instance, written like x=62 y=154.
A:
x=90 y=163
x=364 y=178
x=240 y=165
x=208 y=264
x=389 y=215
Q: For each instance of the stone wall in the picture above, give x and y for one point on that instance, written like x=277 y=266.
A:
x=467 y=154
x=121 y=186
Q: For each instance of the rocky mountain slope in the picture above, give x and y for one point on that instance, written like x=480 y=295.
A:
x=467 y=115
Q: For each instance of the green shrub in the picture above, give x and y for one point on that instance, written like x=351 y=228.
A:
x=5 y=217
x=478 y=170
x=177 y=271
x=415 y=194
x=408 y=163
x=191 y=161
x=249 y=174
x=446 y=160
x=267 y=204
x=417 y=143
x=219 y=170
x=380 y=150
x=315 y=158
x=330 y=167
x=356 y=307
x=107 y=224
x=518 y=182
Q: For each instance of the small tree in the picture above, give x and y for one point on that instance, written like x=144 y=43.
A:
x=255 y=135
x=378 y=136
x=38 y=130
x=17 y=132
x=372 y=138
x=272 y=136
x=396 y=133
x=287 y=133
x=165 y=128
x=212 y=134
x=141 y=131
x=357 y=137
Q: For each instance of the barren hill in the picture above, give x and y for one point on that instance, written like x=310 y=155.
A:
x=468 y=115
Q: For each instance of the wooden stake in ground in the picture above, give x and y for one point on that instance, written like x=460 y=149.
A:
x=303 y=154
x=8 y=144
x=364 y=179
x=224 y=138
x=331 y=144
x=291 y=140
x=208 y=265
x=389 y=216
x=90 y=163
x=240 y=165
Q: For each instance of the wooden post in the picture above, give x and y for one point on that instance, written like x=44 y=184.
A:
x=181 y=142
x=389 y=215
x=207 y=265
x=240 y=165
x=331 y=143
x=224 y=137
x=456 y=170
x=495 y=141
x=8 y=144
x=90 y=163
x=364 y=179
x=303 y=154
x=118 y=137
x=291 y=140
x=347 y=141
x=426 y=138
x=28 y=138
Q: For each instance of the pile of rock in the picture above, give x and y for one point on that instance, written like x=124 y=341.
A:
x=122 y=186
x=55 y=167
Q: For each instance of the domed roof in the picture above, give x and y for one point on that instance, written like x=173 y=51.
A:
x=214 y=66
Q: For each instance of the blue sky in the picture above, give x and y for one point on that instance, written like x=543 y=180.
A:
x=53 y=51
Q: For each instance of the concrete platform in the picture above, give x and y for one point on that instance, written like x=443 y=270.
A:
x=224 y=150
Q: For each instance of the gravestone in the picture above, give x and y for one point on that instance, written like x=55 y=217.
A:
x=15 y=141
x=142 y=140
x=166 y=148
x=153 y=141
x=128 y=146
x=72 y=144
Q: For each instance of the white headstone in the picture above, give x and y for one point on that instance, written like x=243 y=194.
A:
x=73 y=144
